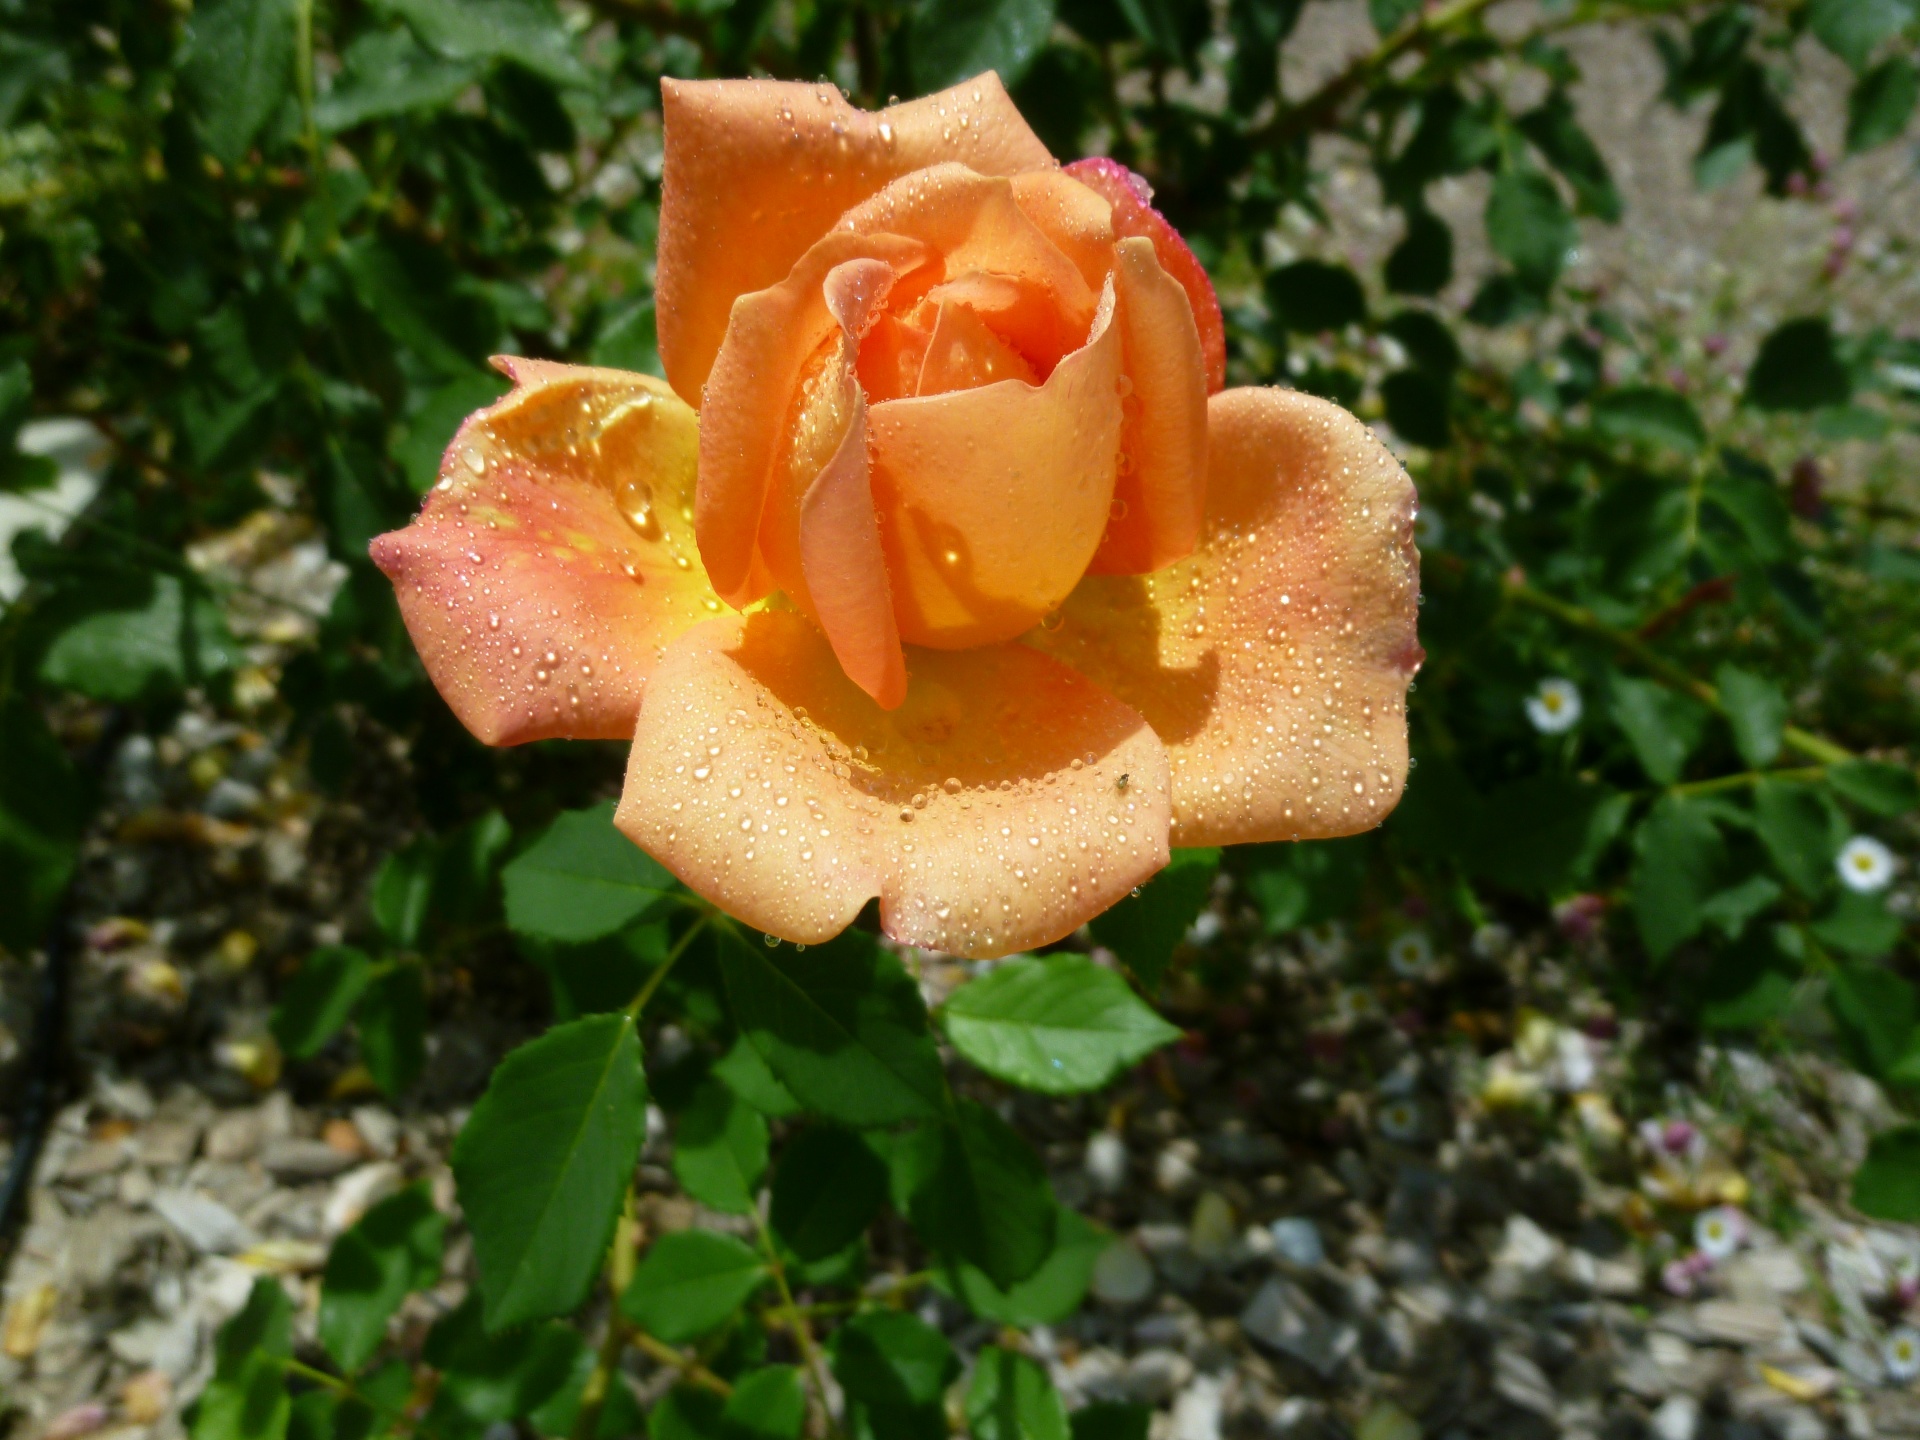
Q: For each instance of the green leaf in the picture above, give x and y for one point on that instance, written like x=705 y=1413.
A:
x=1887 y=1184
x=826 y=1191
x=1419 y=407
x=247 y=1398
x=487 y=1377
x=1876 y=786
x=1310 y=296
x=530 y=33
x=252 y=1406
x=1854 y=29
x=1734 y=908
x=543 y=1162
x=1678 y=860
x=1801 y=832
x=1663 y=726
x=1060 y=1025
x=1859 y=925
x=263 y=1326
x=1882 y=103
x=628 y=340
x=1011 y=1398
x=393 y=1249
x=1528 y=225
x=391 y=295
x=1540 y=834
x=43 y=814
x=1874 y=1009
x=687 y=1412
x=890 y=1358
x=175 y=639
x=841 y=1026
x=982 y=1195
x=320 y=999
x=1556 y=131
x=1144 y=928
x=1650 y=415
x=1756 y=712
x=583 y=879
x=720 y=1149
x=1422 y=263
x=392 y=1021
x=1638 y=527
x=1747 y=985
x=691 y=1282
x=953 y=40
x=388 y=72
x=1051 y=1293
x=239 y=67
x=1799 y=368
x=1111 y=1420
x=746 y=1073
x=767 y=1404
x=1387 y=16
x=403 y=892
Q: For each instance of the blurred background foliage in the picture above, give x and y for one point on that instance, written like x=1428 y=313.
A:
x=263 y=248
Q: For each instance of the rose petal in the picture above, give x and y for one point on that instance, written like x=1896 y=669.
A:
x=770 y=784
x=963 y=354
x=1275 y=661
x=1032 y=292
x=1076 y=219
x=1161 y=491
x=845 y=571
x=749 y=408
x=1133 y=214
x=993 y=500
x=536 y=605
x=757 y=170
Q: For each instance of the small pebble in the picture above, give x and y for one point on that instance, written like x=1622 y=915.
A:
x=1122 y=1275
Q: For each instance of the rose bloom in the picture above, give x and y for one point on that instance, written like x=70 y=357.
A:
x=942 y=570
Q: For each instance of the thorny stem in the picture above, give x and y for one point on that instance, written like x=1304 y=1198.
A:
x=1318 y=108
x=1745 y=778
x=639 y=1001
x=318 y=1377
x=691 y=1369
x=796 y=1321
x=1814 y=747
x=620 y=1258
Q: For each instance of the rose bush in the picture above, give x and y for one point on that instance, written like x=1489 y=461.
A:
x=967 y=586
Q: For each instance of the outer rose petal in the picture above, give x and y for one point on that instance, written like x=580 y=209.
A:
x=1161 y=492
x=986 y=812
x=1274 y=663
x=537 y=605
x=1133 y=214
x=993 y=500
x=748 y=413
x=757 y=170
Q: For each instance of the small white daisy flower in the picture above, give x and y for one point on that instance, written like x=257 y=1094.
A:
x=1399 y=1121
x=1554 y=708
x=1865 y=865
x=1719 y=1232
x=1410 y=954
x=1325 y=944
x=1901 y=1353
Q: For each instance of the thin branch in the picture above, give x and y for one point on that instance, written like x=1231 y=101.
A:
x=1814 y=747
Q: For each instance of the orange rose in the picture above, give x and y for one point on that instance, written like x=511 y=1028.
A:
x=1020 y=605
